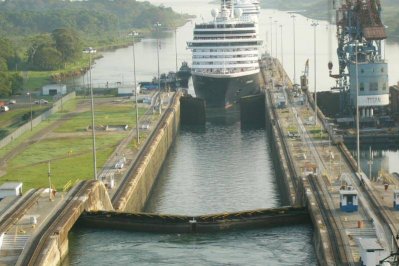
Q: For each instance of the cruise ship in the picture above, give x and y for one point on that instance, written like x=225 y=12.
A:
x=225 y=57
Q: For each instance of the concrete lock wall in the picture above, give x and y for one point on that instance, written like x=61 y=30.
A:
x=278 y=156
x=143 y=178
x=26 y=127
x=55 y=249
x=294 y=186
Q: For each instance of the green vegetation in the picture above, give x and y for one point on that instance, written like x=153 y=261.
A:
x=78 y=166
x=69 y=147
x=48 y=35
x=318 y=9
x=104 y=115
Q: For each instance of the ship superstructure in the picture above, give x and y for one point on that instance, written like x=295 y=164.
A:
x=225 y=57
x=250 y=9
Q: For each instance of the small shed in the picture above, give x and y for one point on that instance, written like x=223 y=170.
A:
x=371 y=252
x=348 y=200
x=396 y=200
x=54 y=89
x=127 y=90
x=10 y=189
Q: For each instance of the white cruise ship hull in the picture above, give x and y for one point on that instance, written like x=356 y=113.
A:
x=225 y=91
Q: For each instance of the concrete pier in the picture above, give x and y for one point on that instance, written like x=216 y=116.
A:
x=320 y=164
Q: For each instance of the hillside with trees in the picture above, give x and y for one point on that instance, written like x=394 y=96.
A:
x=318 y=9
x=46 y=35
x=95 y=17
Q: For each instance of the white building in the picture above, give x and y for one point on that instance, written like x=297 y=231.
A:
x=54 y=89
x=371 y=252
x=10 y=189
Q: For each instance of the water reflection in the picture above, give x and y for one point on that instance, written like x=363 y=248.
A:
x=382 y=158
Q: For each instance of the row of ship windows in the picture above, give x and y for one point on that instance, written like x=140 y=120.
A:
x=223 y=32
x=223 y=37
x=224 y=56
x=253 y=43
x=373 y=86
x=225 y=26
x=224 y=50
x=225 y=63
x=225 y=71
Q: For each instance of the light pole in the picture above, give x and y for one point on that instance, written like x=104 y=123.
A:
x=293 y=26
x=93 y=131
x=282 y=53
x=176 y=46
x=314 y=25
x=276 y=37
x=135 y=90
x=357 y=111
x=49 y=180
x=157 y=26
x=271 y=36
x=60 y=85
x=31 y=115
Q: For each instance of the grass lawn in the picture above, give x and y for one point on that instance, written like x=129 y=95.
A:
x=71 y=159
x=70 y=154
x=109 y=114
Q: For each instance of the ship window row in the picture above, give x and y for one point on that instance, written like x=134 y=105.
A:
x=226 y=63
x=225 y=38
x=224 y=44
x=224 y=56
x=225 y=71
x=224 y=26
x=224 y=32
x=224 y=50
x=373 y=86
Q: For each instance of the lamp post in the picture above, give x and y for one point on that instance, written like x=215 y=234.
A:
x=176 y=46
x=276 y=37
x=60 y=86
x=293 y=26
x=314 y=25
x=357 y=111
x=157 y=26
x=282 y=53
x=49 y=180
x=93 y=131
x=135 y=90
x=271 y=36
x=31 y=115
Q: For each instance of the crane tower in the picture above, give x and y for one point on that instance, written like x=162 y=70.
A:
x=360 y=33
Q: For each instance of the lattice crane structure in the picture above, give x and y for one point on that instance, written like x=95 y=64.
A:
x=360 y=33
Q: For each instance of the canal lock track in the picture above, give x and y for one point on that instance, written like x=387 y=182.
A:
x=374 y=219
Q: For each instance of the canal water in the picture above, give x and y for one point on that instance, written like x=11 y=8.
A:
x=218 y=168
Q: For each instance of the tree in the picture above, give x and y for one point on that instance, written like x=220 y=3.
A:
x=37 y=41
x=47 y=58
x=67 y=42
x=17 y=83
x=5 y=85
x=3 y=64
